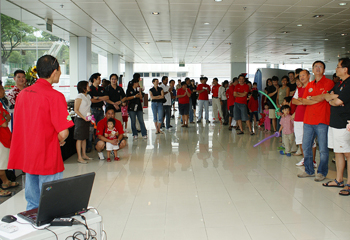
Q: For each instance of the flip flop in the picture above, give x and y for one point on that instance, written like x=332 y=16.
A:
x=339 y=184
x=345 y=190
x=9 y=185
x=4 y=193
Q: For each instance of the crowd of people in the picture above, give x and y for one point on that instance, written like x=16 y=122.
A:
x=303 y=112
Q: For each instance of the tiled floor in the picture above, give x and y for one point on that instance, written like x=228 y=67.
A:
x=205 y=182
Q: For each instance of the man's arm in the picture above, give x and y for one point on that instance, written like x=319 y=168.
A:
x=63 y=136
x=336 y=102
x=238 y=94
x=103 y=138
x=100 y=99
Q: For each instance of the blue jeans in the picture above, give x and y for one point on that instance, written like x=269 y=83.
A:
x=99 y=115
x=157 y=109
x=139 y=115
x=33 y=187
x=310 y=132
x=201 y=104
x=167 y=114
x=191 y=110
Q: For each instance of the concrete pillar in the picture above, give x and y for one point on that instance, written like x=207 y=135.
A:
x=79 y=62
x=129 y=72
x=237 y=68
x=113 y=61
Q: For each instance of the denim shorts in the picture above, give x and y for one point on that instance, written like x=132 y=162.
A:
x=241 y=112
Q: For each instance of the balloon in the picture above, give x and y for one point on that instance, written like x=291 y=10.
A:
x=277 y=109
x=276 y=134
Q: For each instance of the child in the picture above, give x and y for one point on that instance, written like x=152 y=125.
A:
x=183 y=95
x=255 y=87
x=267 y=123
x=125 y=116
x=287 y=125
x=253 y=106
x=111 y=133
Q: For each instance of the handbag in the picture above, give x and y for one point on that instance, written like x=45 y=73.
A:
x=163 y=100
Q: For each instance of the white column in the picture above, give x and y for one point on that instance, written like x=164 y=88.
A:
x=79 y=62
x=129 y=72
x=237 y=68
x=113 y=61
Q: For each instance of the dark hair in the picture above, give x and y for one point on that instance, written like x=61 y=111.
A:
x=274 y=78
x=205 y=78
x=255 y=94
x=291 y=73
x=216 y=79
x=94 y=76
x=234 y=79
x=285 y=107
x=345 y=63
x=285 y=77
x=318 y=61
x=179 y=80
x=255 y=83
x=172 y=80
x=335 y=75
x=19 y=71
x=164 y=77
x=183 y=83
x=225 y=82
x=266 y=104
x=267 y=81
x=288 y=99
x=113 y=74
x=46 y=65
x=187 y=78
x=131 y=84
x=82 y=86
x=154 y=79
x=111 y=120
x=241 y=75
x=307 y=71
x=136 y=76
x=0 y=83
x=248 y=82
x=298 y=70
x=109 y=107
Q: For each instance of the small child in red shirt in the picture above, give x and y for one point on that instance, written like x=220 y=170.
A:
x=125 y=115
x=287 y=125
x=111 y=133
x=253 y=106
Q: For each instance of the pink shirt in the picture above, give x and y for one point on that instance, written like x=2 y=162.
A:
x=288 y=124
x=125 y=111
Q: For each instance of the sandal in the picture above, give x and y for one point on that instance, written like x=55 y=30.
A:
x=82 y=161
x=345 y=192
x=240 y=132
x=87 y=158
x=252 y=133
x=339 y=184
x=4 y=193
x=9 y=185
x=230 y=128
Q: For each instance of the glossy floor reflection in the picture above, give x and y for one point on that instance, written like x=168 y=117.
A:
x=205 y=182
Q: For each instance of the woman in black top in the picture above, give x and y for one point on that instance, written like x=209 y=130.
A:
x=157 y=96
x=135 y=107
x=194 y=96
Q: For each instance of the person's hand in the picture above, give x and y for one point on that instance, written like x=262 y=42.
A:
x=86 y=119
x=106 y=134
x=62 y=143
x=115 y=141
x=221 y=103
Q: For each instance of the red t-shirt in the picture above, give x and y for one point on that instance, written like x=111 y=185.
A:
x=215 y=90
x=241 y=89
x=40 y=114
x=253 y=104
x=185 y=99
x=319 y=112
x=300 y=110
x=203 y=95
x=102 y=127
x=114 y=133
x=230 y=97
x=5 y=133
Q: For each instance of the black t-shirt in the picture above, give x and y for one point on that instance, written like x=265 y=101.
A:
x=135 y=103
x=292 y=86
x=156 y=92
x=271 y=89
x=341 y=114
x=115 y=95
x=97 y=92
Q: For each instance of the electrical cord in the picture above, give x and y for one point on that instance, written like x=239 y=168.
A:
x=90 y=234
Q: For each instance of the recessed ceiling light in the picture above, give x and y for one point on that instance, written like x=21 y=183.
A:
x=342 y=4
x=285 y=32
x=217 y=0
x=194 y=46
x=300 y=25
x=326 y=39
x=228 y=43
x=343 y=34
x=146 y=43
x=342 y=47
x=317 y=16
x=206 y=23
x=155 y=13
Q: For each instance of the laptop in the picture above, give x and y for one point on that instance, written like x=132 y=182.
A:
x=61 y=198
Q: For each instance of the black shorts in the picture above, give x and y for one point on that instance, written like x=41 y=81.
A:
x=184 y=109
x=231 y=110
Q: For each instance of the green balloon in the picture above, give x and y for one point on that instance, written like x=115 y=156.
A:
x=274 y=104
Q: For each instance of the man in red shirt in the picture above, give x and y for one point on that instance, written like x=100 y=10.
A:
x=231 y=101
x=316 y=121
x=101 y=128
x=203 y=90
x=40 y=128
x=183 y=94
x=241 y=109
x=216 y=101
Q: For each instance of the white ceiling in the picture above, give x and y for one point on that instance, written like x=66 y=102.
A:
x=238 y=30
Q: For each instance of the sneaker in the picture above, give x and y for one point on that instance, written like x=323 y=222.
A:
x=108 y=159
x=281 y=148
x=301 y=163
x=304 y=175
x=289 y=154
x=144 y=137
x=199 y=121
x=315 y=165
x=282 y=152
x=136 y=137
x=100 y=156
x=116 y=159
x=170 y=126
x=319 y=177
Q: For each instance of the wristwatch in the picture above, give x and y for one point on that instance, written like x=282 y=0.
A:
x=97 y=97
x=134 y=96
